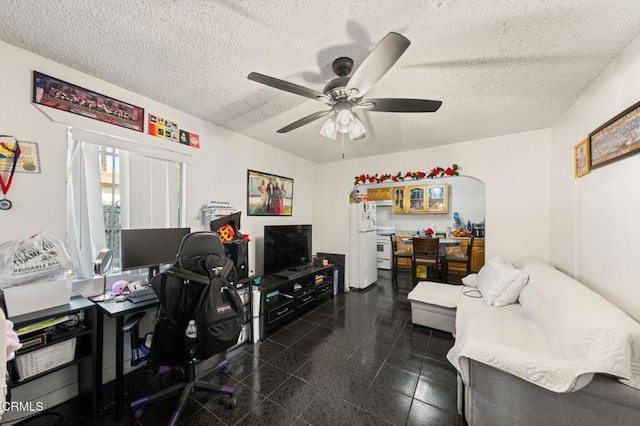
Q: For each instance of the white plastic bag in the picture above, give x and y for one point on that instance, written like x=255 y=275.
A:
x=33 y=258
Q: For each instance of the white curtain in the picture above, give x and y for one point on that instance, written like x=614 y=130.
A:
x=148 y=192
x=85 y=218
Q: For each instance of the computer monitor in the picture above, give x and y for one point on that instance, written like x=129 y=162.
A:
x=150 y=248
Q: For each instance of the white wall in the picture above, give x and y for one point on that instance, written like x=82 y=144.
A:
x=594 y=232
x=218 y=171
x=514 y=169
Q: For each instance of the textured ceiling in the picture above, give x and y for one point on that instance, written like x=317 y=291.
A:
x=499 y=67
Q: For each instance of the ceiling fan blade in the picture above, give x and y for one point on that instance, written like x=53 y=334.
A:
x=306 y=120
x=377 y=63
x=401 y=105
x=288 y=87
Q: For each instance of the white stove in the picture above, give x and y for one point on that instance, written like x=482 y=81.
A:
x=383 y=246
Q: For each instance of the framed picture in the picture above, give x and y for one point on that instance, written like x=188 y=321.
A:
x=581 y=163
x=64 y=96
x=269 y=195
x=616 y=138
x=437 y=198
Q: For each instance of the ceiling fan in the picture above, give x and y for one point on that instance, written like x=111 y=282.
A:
x=345 y=93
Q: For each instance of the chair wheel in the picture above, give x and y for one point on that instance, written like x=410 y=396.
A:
x=232 y=401
x=138 y=413
x=226 y=371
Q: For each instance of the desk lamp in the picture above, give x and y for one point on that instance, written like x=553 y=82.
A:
x=101 y=266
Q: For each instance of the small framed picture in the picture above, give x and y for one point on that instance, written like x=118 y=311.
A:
x=581 y=158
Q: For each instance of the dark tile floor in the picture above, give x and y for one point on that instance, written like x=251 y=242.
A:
x=353 y=360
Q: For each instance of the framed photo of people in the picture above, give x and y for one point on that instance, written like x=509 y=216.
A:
x=59 y=94
x=268 y=194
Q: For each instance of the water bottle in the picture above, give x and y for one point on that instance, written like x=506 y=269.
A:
x=191 y=333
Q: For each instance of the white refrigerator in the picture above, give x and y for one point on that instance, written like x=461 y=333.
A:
x=362 y=261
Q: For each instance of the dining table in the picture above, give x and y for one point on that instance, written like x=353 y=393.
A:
x=443 y=244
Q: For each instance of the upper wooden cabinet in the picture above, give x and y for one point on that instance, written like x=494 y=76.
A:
x=410 y=199
x=420 y=199
x=417 y=199
x=399 y=199
x=379 y=194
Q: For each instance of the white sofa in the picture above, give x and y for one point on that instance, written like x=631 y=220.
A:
x=562 y=355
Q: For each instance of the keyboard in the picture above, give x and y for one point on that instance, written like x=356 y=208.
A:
x=141 y=295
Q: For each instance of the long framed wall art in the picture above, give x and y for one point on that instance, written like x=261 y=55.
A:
x=59 y=94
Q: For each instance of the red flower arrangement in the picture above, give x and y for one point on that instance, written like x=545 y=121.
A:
x=399 y=177
x=428 y=232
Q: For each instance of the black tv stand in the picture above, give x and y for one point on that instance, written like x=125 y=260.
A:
x=283 y=297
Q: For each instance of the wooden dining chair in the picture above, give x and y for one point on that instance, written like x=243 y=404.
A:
x=463 y=260
x=426 y=252
x=395 y=255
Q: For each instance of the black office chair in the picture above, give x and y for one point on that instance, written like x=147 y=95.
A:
x=194 y=247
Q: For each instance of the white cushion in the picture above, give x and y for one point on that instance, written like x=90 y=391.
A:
x=512 y=292
x=470 y=280
x=499 y=283
x=446 y=295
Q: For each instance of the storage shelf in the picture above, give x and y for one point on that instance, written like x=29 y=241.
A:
x=290 y=302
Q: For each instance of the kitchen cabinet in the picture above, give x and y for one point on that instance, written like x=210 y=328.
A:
x=410 y=199
x=477 y=256
x=417 y=199
x=379 y=194
x=399 y=199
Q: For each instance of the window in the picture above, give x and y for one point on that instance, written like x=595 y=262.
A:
x=109 y=189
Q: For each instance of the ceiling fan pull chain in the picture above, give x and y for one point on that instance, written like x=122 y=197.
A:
x=342 y=141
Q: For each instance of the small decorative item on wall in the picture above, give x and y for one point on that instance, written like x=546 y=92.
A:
x=269 y=195
x=581 y=158
x=9 y=149
x=64 y=96
x=437 y=198
x=617 y=138
x=436 y=172
x=163 y=129
x=188 y=138
x=28 y=162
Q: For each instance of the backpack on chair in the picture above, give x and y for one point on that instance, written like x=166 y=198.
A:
x=199 y=287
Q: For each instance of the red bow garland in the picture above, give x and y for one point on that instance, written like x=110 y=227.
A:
x=399 y=177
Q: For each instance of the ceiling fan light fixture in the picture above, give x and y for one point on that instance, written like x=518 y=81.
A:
x=357 y=130
x=329 y=128
x=344 y=120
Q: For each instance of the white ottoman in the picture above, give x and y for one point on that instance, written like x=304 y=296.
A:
x=434 y=305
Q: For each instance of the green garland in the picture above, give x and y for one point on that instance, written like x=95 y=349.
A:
x=399 y=177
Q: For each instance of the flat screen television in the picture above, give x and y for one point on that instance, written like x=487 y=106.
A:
x=286 y=247
x=150 y=248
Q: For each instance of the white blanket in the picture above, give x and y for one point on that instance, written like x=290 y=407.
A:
x=558 y=338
